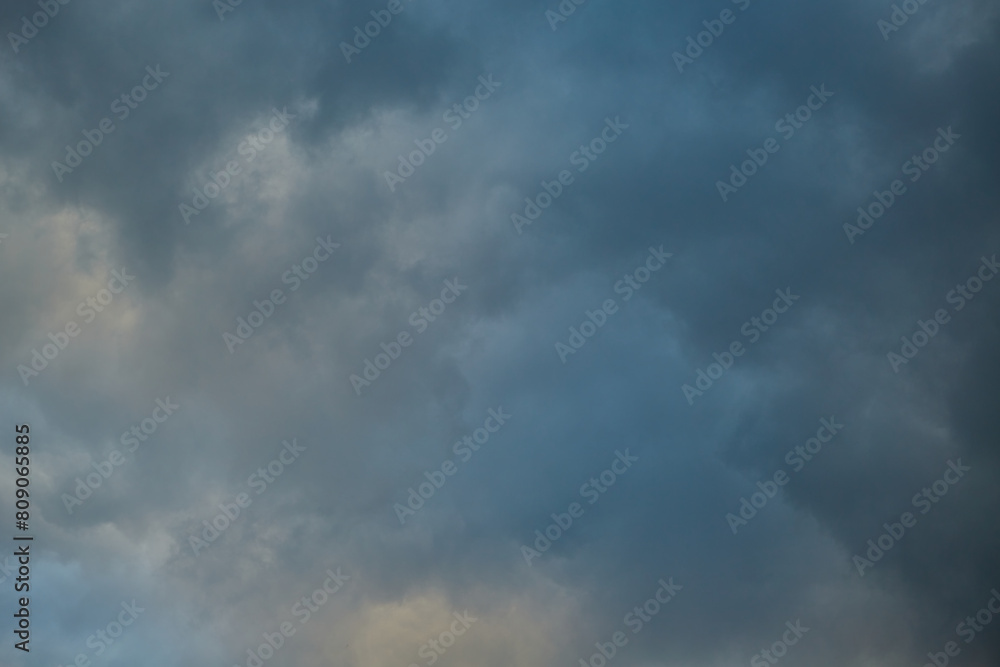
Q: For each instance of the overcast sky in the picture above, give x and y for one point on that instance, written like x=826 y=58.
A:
x=443 y=277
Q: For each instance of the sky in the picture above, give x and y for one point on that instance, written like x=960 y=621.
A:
x=518 y=334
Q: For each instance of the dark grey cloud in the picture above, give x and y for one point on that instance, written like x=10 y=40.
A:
x=323 y=176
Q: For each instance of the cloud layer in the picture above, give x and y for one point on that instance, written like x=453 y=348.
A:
x=618 y=200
